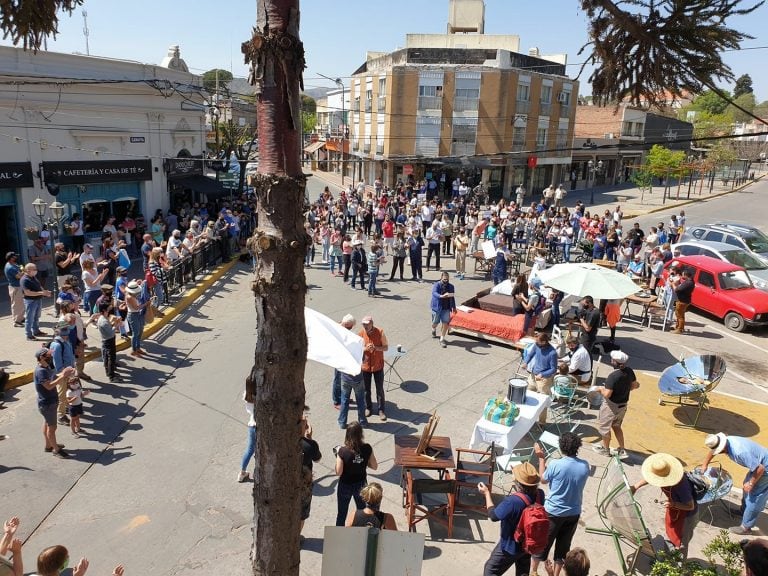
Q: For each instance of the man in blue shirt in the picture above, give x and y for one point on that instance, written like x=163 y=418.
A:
x=63 y=356
x=541 y=362
x=442 y=304
x=507 y=551
x=13 y=274
x=566 y=477
x=754 y=458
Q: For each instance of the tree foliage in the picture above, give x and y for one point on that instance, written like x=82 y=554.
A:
x=662 y=161
x=30 y=23
x=761 y=109
x=746 y=102
x=743 y=85
x=660 y=49
x=308 y=104
x=209 y=80
x=711 y=102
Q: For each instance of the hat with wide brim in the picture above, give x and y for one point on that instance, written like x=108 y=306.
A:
x=526 y=474
x=133 y=288
x=716 y=442
x=662 y=470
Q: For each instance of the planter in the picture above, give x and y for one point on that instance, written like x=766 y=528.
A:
x=32 y=235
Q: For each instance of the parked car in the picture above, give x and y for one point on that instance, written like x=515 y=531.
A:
x=725 y=291
x=744 y=236
x=755 y=267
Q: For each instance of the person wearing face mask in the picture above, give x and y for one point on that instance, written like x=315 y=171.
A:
x=443 y=304
x=63 y=356
x=588 y=322
x=33 y=293
x=46 y=381
x=541 y=362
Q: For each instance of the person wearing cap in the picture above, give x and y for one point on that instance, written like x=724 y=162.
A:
x=87 y=254
x=374 y=345
x=666 y=472
x=136 y=308
x=507 y=551
x=47 y=380
x=460 y=246
x=615 y=392
x=106 y=324
x=636 y=266
x=755 y=556
x=13 y=274
x=754 y=458
x=442 y=304
x=566 y=477
x=359 y=263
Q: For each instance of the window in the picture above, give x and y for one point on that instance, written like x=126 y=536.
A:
x=697 y=233
x=382 y=99
x=430 y=97
x=368 y=100
x=541 y=138
x=706 y=279
x=713 y=236
x=688 y=250
x=464 y=136
x=427 y=136
x=523 y=92
x=736 y=280
x=546 y=95
x=518 y=138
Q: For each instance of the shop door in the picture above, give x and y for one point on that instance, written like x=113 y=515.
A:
x=9 y=231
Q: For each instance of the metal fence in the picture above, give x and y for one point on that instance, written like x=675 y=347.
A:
x=185 y=271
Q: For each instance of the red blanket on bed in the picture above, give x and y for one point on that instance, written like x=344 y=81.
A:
x=498 y=325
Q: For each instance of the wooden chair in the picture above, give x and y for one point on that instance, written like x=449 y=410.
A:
x=470 y=471
x=417 y=510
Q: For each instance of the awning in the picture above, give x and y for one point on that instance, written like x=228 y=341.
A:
x=314 y=147
x=207 y=186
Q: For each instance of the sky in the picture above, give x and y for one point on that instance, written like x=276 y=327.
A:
x=337 y=33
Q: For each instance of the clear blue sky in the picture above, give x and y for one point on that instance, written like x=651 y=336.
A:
x=337 y=33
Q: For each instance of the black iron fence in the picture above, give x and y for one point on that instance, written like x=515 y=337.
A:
x=185 y=271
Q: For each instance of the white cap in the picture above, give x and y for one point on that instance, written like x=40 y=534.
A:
x=619 y=356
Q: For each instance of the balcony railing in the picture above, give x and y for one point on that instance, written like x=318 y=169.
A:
x=430 y=103
x=382 y=103
x=368 y=105
x=518 y=147
x=367 y=147
x=565 y=111
x=379 y=148
x=465 y=104
x=522 y=106
x=463 y=148
x=545 y=108
x=355 y=106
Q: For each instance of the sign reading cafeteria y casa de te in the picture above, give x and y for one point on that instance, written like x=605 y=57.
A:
x=93 y=172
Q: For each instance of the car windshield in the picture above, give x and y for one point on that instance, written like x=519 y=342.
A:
x=757 y=242
x=744 y=259
x=736 y=280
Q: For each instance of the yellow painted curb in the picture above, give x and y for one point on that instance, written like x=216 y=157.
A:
x=650 y=427
x=171 y=312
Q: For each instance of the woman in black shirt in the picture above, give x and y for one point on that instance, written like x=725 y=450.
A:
x=352 y=461
x=371 y=516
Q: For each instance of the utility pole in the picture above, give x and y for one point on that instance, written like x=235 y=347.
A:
x=86 y=32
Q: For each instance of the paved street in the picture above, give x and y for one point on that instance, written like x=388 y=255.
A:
x=180 y=416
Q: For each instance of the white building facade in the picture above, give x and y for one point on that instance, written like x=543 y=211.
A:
x=104 y=135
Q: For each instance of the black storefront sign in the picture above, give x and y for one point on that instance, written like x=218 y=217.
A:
x=96 y=172
x=181 y=167
x=16 y=175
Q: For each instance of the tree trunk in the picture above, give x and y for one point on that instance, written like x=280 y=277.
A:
x=277 y=59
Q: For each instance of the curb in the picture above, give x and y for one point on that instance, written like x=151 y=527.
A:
x=22 y=378
x=692 y=200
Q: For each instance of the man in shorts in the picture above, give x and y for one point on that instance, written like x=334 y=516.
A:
x=443 y=304
x=615 y=392
x=46 y=382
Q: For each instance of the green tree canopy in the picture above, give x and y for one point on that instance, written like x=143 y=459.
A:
x=743 y=86
x=662 y=161
x=308 y=104
x=710 y=102
x=209 y=79
x=746 y=101
x=761 y=110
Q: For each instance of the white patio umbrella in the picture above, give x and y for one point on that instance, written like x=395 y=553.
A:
x=585 y=279
x=329 y=343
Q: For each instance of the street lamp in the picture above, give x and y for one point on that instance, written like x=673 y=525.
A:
x=593 y=170
x=53 y=223
x=340 y=84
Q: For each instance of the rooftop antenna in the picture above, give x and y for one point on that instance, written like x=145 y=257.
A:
x=85 y=32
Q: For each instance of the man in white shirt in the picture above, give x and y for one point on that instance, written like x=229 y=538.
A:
x=434 y=238
x=463 y=190
x=579 y=364
x=427 y=215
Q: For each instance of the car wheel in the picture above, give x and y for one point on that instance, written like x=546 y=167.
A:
x=735 y=322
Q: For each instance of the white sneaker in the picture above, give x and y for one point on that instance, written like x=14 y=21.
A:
x=243 y=476
x=600 y=449
x=621 y=453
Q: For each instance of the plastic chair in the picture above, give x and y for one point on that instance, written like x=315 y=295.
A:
x=565 y=403
x=469 y=472
x=506 y=462
x=416 y=510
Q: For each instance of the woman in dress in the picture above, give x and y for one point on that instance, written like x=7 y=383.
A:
x=371 y=516
x=352 y=461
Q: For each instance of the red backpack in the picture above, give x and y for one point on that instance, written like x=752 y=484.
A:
x=532 y=532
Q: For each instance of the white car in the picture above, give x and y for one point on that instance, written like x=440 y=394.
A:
x=755 y=267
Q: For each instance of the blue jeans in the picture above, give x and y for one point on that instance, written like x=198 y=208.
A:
x=567 y=251
x=89 y=300
x=32 y=310
x=159 y=294
x=346 y=394
x=372 y=274
x=336 y=389
x=754 y=502
x=336 y=261
x=136 y=324
x=250 y=448
x=344 y=493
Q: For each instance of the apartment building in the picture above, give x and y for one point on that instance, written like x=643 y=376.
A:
x=467 y=106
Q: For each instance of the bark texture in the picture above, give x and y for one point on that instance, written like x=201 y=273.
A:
x=276 y=56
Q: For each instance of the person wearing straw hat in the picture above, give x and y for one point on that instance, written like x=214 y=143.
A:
x=754 y=458
x=136 y=309
x=666 y=472
x=508 y=552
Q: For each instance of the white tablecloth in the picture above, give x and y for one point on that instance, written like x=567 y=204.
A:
x=508 y=437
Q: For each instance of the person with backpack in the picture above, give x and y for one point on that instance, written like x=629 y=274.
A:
x=566 y=477
x=682 y=513
x=524 y=523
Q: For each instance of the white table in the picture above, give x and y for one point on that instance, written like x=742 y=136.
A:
x=391 y=357
x=508 y=437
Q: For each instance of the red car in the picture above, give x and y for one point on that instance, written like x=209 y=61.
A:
x=725 y=291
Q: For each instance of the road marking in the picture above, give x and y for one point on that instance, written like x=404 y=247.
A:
x=739 y=397
x=738 y=376
x=732 y=335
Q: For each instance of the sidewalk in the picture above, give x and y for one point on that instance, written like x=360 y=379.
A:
x=16 y=352
x=633 y=201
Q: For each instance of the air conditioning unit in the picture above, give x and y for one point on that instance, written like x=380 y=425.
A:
x=562 y=97
x=520 y=120
x=609 y=136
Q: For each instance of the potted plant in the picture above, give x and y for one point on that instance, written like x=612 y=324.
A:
x=724 y=557
x=32 y=232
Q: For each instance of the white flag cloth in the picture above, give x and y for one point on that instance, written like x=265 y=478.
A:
x=329 y=343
